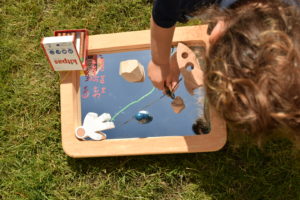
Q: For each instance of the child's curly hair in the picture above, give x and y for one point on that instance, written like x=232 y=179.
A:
x=253 y=71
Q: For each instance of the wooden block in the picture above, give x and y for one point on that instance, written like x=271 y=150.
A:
x=132 y=71
x=189 y=68
x=177 y=104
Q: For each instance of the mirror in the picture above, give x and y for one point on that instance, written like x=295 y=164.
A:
x=108 y=92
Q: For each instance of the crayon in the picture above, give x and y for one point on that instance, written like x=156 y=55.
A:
x=81 y=54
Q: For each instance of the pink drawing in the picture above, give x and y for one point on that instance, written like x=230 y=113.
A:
x=103 y=90
x=100 y=63
x=102 y=77
x=94 y=78
x=86 y=92
x=96 y=92
x=94 y=70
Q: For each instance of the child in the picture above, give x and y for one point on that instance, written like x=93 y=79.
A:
x=252 y=76
x=165 y=14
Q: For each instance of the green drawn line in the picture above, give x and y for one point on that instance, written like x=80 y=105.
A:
x=130 y=104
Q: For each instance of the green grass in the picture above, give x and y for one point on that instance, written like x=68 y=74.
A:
x=32 y=162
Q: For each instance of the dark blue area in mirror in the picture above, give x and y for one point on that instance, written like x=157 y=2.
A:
x=108 y=92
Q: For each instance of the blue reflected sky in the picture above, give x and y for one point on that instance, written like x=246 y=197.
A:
x=117 y=93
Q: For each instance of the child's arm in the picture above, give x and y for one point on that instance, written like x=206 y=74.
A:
x=159 y=70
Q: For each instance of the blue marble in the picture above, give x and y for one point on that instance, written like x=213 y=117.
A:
x=143 y=117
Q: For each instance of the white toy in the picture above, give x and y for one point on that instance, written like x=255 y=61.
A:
x=92 y=125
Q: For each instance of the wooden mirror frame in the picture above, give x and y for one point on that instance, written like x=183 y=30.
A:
x=71 y=105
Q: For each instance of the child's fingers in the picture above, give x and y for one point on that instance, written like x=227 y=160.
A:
x=169 y=85
x=158 y=85
x=175 y=85
x=172 y=83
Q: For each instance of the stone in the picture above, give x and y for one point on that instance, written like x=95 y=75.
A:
x=177 y=104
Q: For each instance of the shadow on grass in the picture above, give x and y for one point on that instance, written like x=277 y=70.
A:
x=232 y=173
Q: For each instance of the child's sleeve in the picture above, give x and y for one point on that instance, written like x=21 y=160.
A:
x=165 y=13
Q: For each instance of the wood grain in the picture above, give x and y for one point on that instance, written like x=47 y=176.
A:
x=140 y=40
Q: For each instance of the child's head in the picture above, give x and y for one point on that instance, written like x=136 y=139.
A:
x=253 y=70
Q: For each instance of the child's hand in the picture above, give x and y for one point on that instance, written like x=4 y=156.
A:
x=173 y=75
x=158 y=74
x=164 y=75
x=217 y=31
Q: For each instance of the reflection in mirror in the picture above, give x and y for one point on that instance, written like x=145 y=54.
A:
x=129 y=104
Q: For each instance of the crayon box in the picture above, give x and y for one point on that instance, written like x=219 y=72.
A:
x=67 y=49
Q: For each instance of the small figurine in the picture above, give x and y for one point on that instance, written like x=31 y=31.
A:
x=177 y=104
x=92 y=125
x=132 y=71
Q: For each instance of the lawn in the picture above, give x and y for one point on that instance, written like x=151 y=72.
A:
x=32 y=162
